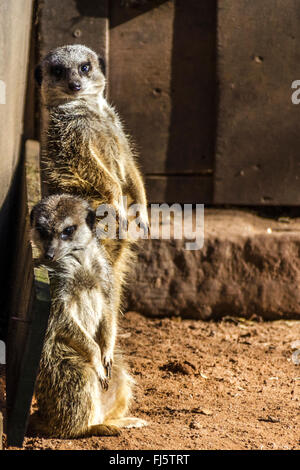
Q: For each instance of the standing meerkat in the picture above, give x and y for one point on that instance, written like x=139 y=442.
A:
x=78 y=359
x=84 y=149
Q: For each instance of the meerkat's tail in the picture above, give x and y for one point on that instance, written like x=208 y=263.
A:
x=127 y=422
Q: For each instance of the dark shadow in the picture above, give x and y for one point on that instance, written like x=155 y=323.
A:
x=92 y=8
x=8 y=224
x=266 y=212
x=31 y=115
x=130 y=9
x=194 y=98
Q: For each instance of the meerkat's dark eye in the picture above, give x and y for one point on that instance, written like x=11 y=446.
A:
x=57 y=71
x=68 y=232
x=85 y=68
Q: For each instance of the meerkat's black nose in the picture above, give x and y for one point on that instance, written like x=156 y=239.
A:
x=49 y=255
x=74 y=86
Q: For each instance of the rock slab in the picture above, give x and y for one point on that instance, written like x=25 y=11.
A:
x=248 y=266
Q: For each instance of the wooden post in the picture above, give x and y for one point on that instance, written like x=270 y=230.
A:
x=19 y=411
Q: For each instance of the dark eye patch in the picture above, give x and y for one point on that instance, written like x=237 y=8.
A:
x=68 y=232
x=57 y=71
x=42 y=231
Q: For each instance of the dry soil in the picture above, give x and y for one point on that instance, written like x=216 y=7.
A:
x=226 y=385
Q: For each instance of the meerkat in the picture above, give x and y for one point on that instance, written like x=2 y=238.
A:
x=85 y=150
x=78 y=360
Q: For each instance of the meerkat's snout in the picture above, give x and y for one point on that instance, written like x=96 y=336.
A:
x=61 y=225
x=50 y=252
x=74 y=86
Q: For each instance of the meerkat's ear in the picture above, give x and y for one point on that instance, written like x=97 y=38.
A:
x=38 y=74
x=102 y=64
x=91 y=218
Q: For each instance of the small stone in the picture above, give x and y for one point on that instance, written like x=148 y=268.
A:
x=295 y=344
x=202 y=411
x=195 y=425
x=296 y=357
x=269 y=419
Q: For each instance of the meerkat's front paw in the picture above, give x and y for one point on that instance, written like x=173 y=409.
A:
x=145 y=227
x=104 y=384
x=120 y=215
x=98 y=366
x=102 y=377
x=142 y=222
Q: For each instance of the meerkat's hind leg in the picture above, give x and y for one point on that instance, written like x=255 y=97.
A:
x=36 y=426
x=112 y=427
x=102 y=430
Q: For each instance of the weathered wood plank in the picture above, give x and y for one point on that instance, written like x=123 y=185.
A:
x=14 y=41
x=258 y=138
x=15 y=257
x=181 y=189
x=162 y=80
x=74 y=22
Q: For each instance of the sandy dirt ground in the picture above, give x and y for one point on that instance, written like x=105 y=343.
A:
x=226 y=385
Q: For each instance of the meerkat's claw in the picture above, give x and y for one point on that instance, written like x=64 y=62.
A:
x=102 y=377
x=104 y=384
x=144 y=226
x=123 y=223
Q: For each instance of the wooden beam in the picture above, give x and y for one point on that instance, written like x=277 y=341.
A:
x=182 y=189
x=258 y=138
x=29 y=312
x=24 y=387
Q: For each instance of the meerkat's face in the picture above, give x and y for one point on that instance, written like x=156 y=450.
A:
x=61 y=225
x=70 y=72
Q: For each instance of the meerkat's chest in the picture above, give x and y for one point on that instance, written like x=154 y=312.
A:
x=88 y=310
